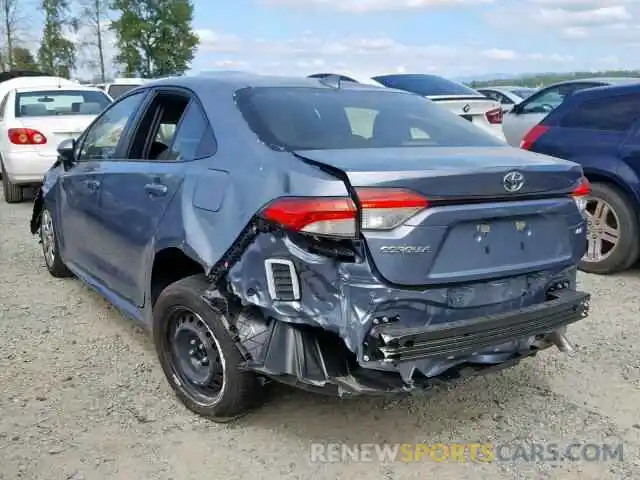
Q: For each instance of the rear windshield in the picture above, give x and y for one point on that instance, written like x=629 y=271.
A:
x=118 y=90
x=307 y=118
x=60 y=102
x=427 y=85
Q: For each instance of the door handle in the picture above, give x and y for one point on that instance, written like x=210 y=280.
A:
x=92 y=185
x=155 y=189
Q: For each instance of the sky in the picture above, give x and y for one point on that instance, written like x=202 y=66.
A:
x=455 y=38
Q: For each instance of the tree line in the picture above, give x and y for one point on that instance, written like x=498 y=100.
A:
x=543 y=79
x=154 y=38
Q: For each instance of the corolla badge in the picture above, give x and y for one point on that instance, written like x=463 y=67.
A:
x=405 y=249
x=513 y=181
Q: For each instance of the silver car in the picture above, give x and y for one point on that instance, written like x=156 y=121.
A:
x=525 y=115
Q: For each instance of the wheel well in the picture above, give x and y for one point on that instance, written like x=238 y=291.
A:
x=613 y=183
x=171 y=265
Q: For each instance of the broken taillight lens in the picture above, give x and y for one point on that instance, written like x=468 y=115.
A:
x=382 y=209
x=581 y=193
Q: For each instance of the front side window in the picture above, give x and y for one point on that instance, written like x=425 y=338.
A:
x=49 y=103
x=305 y=118
x=101 y=140
x=608 y=114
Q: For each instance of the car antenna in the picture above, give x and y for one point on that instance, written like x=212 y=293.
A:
x=332 y=81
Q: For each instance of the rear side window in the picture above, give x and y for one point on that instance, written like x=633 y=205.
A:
x=306 y=118
x=611 y=114
x=425 y=85
x=60 y=102
x=189 y=142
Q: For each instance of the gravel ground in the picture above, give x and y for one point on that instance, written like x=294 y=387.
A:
x=82 y=397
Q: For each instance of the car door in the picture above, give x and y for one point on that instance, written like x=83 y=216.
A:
x=136 y=191
x=80 y=185
x=528 y=113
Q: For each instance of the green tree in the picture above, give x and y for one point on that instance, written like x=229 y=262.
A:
x=9 y=18
x=23 y=59
x=155 y=37
x=94 y=16
x=57 y=54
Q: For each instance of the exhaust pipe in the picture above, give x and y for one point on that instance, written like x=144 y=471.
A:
x=560 y=341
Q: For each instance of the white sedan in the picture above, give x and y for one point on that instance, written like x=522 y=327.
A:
x=33 y=121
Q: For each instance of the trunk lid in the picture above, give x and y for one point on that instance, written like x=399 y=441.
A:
x=469 y=107
x=56 y=129
x=473 y=228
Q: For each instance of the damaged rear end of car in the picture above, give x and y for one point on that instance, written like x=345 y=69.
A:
x=448 y=255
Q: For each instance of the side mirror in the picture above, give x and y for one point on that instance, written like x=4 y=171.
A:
x=516 y=109
x=66 y=151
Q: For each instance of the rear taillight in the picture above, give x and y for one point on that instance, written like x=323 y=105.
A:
x=532 y=137
x=382 y=209
x=26 y=136
x=494 y=116
x=580 y=194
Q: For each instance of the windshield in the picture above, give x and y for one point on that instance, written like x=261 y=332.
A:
x=60 y=102
x=426 y=85
x=524 y=92
x=306 y=118
x=116 y=90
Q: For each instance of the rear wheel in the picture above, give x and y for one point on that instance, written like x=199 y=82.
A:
x=612 y=239
x=198 y=356
x=12 y=193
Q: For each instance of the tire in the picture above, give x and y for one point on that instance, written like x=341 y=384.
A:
x=239 y=391
x=627 y=249
x=50 y=250
x=12 y=193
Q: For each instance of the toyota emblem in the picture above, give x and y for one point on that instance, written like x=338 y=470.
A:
x=513 y=181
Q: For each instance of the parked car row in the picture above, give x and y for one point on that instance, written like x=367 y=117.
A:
x=597 y=137
x=37 y=112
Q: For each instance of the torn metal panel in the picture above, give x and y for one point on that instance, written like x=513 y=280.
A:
x=345 y=297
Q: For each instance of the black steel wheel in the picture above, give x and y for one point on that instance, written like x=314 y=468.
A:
x=198 y=355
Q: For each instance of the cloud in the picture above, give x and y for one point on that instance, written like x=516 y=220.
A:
x=607 y=21
x=363 y=56
x=364 y=6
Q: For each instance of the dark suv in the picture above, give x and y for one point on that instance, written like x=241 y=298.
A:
x=600 y=129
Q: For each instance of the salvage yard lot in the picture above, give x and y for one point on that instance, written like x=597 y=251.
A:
x=82 y=397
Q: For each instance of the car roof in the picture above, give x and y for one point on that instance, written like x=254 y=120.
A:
x=507 y=88
x=234 y=80
x=607 y=80
x=41 y=88
x=605 y=91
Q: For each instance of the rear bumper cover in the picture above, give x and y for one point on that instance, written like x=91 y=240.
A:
x=307 y=359
x=392 y=344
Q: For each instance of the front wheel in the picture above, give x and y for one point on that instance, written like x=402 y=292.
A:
x=49 y=242
x=612 y=237
x=198 y=356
